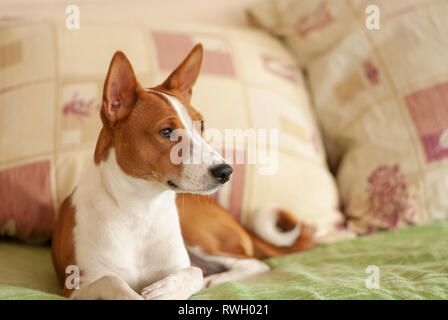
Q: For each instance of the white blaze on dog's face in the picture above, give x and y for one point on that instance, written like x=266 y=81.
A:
x=203 y=169
x=150 y=129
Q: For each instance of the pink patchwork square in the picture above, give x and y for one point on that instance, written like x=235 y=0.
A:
x=237 y=184
x=172 y=48
x=429 y=111
x=25 y=197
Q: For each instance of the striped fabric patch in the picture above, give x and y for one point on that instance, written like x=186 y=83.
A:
x=231 y=196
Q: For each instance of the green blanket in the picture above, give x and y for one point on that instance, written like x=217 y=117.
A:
x=412 y=264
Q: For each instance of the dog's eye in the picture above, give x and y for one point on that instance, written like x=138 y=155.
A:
x=202 y=125
x=166 y=132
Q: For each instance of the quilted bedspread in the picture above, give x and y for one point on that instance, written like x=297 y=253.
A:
x=403 y=264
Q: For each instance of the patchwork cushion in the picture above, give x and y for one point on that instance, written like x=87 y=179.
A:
x=51 y=82
x=382 y=98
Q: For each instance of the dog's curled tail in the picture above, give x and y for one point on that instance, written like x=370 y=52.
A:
x=276 y=232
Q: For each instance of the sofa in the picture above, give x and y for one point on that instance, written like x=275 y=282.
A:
x=362 y=154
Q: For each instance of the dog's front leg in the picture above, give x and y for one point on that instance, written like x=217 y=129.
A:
x=108 y=287
x=238 y=269
x=179 y=285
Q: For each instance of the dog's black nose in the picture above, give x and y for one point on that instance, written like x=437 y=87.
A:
x=221 y=172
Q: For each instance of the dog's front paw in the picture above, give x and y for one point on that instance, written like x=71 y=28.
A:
x=214 y=280
x=169 y=288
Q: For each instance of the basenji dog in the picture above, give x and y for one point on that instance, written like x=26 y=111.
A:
x=140 y=226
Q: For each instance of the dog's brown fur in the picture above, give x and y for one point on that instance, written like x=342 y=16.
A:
x=132 y=119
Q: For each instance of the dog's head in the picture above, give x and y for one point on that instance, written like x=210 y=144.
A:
x=156 y=133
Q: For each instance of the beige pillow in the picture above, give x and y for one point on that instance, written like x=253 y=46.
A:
x=382 y=98
x=52 y=78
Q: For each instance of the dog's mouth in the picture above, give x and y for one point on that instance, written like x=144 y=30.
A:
x=171 y=184
x=208 y=189
x=208 y=182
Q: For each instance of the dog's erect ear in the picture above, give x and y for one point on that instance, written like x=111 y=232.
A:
x=120 y=89
x=185 y=75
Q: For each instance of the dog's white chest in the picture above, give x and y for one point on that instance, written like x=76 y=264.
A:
x=136 y=237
